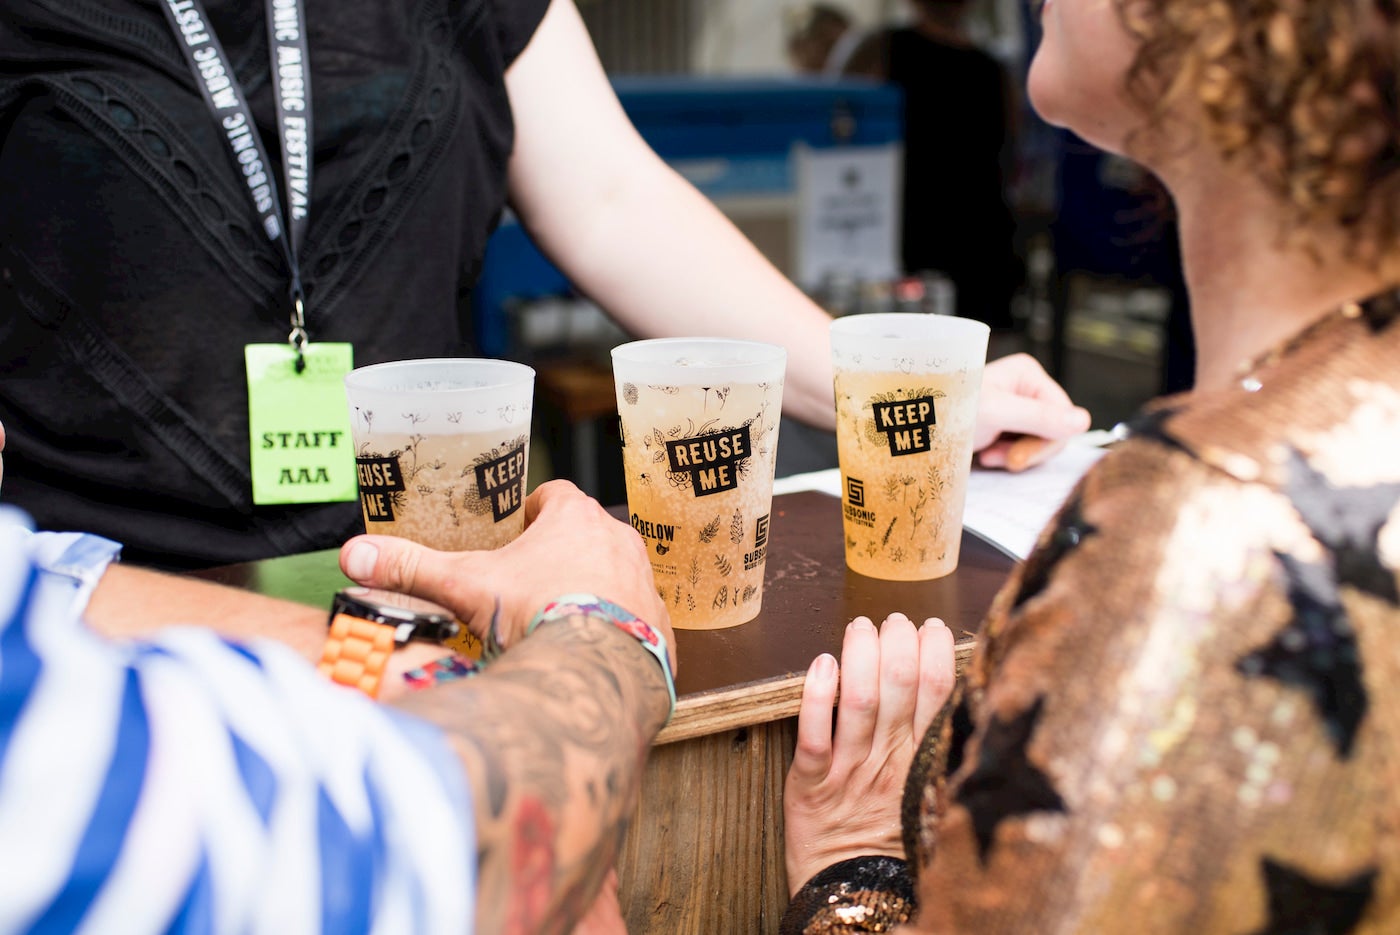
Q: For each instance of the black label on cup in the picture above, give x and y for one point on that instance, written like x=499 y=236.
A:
x=755 y=558
x=712 y=461
x=380 y=479
x=661 y=532
x=906 y=425
x=501 y=481
x=854 y=507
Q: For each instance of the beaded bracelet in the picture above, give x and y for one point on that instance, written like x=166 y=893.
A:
x=571 y=605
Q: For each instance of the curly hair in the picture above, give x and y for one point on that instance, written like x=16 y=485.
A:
x=1307 y=89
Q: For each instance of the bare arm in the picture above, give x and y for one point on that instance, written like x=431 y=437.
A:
x=133 y=602
x=664 y=261
x=632 y=233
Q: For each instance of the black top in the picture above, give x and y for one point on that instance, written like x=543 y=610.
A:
x=132 y=273
x=956 y=219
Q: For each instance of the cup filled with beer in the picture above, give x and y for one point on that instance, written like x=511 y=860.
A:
x=441 y=451
x=699 y=422
x=906 y=405
x=441 y=448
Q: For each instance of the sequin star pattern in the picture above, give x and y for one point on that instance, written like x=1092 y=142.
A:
x=1348 y=521
x=1005 y=782
x=963 y=728
x=1072 y=530
x=1382 y=311
x=1153 y=424
x=1316 y=652
x=1300 y=905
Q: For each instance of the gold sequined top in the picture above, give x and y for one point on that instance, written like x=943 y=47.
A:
x=1184 y=715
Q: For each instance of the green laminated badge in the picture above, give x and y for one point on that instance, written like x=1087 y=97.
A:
x=299 y=424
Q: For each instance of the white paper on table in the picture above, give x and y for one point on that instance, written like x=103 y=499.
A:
x=828 y=481
x=1008 y=510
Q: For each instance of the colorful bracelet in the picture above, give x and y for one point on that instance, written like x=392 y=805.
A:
x=447 y=669
x=571 y=605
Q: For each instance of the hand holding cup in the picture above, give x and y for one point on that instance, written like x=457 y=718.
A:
x=570 y=545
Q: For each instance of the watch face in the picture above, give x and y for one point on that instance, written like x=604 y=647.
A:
x=412 y=618
x=393 y=604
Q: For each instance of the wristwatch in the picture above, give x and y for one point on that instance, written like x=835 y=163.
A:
x=367 y=625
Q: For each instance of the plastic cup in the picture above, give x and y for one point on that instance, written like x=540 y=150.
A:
x=699 y=445
x=441 y=448
x=906 y=406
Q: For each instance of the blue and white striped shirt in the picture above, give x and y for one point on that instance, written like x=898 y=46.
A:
x=190 y=785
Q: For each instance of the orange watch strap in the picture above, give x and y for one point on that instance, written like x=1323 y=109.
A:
x=356 y=653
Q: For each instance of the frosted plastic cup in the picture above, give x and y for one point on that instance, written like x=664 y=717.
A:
x=906 y=405
x=441 y=448
x=699 y=442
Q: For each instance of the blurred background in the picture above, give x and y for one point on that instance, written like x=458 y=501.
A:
x=882 y=154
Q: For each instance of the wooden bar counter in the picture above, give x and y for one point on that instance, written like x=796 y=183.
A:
x=704 y=854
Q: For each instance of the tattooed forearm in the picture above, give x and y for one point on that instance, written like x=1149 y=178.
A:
x=554 y=737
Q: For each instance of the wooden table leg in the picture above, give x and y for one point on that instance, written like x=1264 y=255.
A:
x=704 y=854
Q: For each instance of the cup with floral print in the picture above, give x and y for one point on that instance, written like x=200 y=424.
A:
x=906 y=404
x=441 y=449
x=699 y=424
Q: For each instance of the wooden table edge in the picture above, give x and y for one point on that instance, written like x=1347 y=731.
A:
x=712 y=712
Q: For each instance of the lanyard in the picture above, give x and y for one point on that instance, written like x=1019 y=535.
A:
x=291 y=82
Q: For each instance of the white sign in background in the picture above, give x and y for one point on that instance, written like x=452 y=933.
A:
x=848 y=204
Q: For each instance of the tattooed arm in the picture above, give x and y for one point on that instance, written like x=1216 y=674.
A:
x=569 y=711
x=555 y=733
x=554 y=737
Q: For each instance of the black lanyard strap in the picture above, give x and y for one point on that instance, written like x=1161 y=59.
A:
x=291 y=82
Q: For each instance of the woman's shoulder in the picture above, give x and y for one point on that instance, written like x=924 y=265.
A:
x=1324 y=408
x=1300 y=461
x=1309 y=432
x=1329 y=397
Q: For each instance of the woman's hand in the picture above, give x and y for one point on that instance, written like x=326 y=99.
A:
x=570 y=545
x=843 y=792
x=1022 y=415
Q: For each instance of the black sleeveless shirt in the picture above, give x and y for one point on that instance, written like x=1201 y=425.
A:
x=132 y=272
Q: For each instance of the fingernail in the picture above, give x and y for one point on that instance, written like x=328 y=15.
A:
x=933 y=622
x=896 y=617
x=824 y=667
x=359 y=564
x=861 y=623
x=1077 y=420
